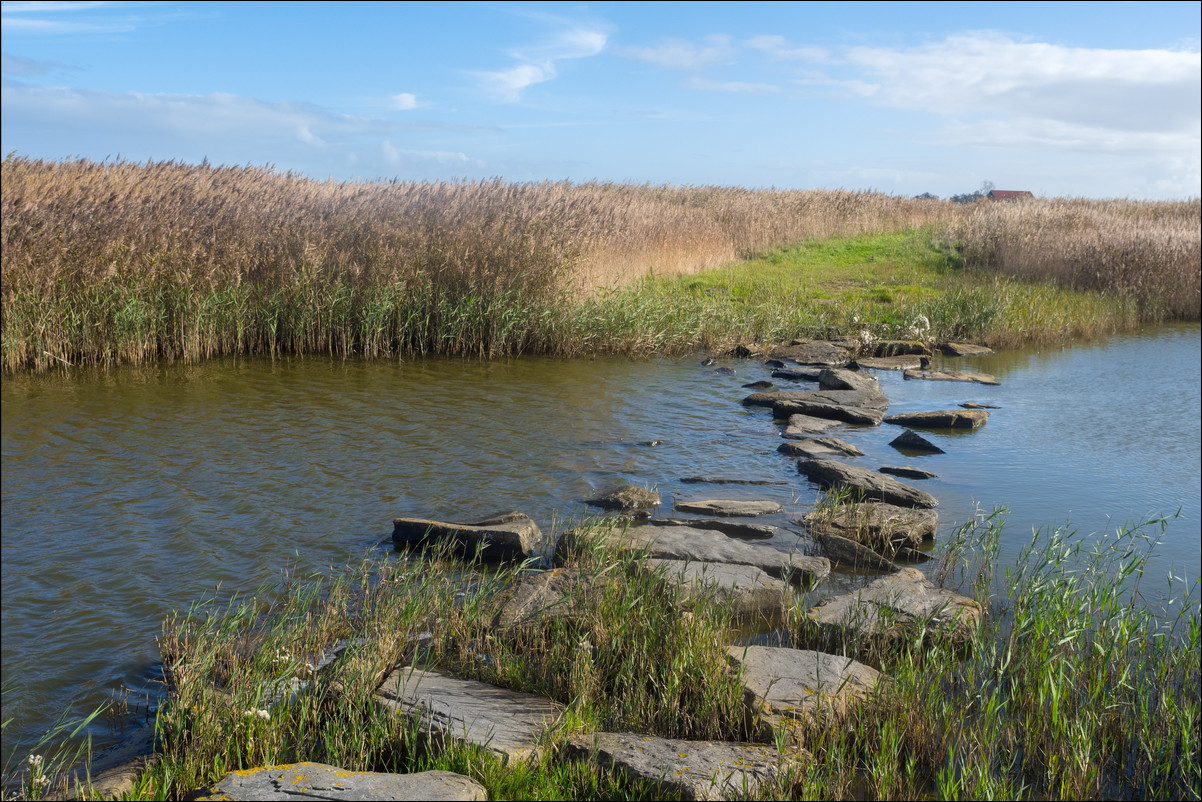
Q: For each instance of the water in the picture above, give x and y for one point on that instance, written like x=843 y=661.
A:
x=130 y=493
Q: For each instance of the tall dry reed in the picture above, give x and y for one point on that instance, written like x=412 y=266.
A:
x=1150 y=252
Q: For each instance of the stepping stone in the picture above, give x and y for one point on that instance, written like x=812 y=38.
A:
x=797 y=374
x=848 y=555
x=685 y=769
x=320 y=781
x=907 y=472
x=627 y=497
x=873 y=524
x=891 y=362
x=849 y=406
x=976 y=405
x=819 y=447
x=951 y=376
x=840 y=379
x=729 y=507
x=813 y=352
x=941 y=419
x=866 y=484
x=750 y=592
x=507 y=536
x=760 y=385
x=800 y=426
x=910 y=441
x=964 y=349
x=729 y=528
x=723 y=480
x=887 y=613
x=704 y=545
x=782 y=686
x=452 y=710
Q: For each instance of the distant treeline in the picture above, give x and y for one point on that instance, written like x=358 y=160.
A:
x=117 y=262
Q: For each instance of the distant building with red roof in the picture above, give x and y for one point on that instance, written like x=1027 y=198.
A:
x=1008 y=194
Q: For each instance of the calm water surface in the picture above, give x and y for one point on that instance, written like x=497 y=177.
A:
x=131 y=493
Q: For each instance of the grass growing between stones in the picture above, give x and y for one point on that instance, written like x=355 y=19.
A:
x=1075 y=687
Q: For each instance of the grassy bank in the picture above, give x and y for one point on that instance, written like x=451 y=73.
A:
x=1073 y=687
x=125 y=263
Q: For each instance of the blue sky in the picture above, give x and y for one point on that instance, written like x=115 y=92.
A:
x=1098 y=99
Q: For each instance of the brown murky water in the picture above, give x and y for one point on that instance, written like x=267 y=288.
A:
x=130 y=493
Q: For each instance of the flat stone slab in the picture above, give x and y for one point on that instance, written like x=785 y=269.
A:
x=688 y=769
x=906 y=362
x=705 y=545
x=913 y=442
x=320 y=781
x=743 y=531
x=506 y=536
x=819 y=447
x=729 y=507
x=874 y=524
x=849 y=406
x=977 y=405
x=813 y=352
x=453 y=710
x=964 y=349
x=627 y=497
x=807 y=425
x=941 y=419
x=869 y=485
x=748 y=590
x=728 y=480
x=888 y=611
x=907 y=472
x=781 y=685
x=848 y=555
x=797 y=374
x=951 y=376
x=842 y=379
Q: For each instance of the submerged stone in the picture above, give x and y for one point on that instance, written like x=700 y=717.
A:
x=627 y=497
x=688 y=769
x=321 y=781
x=951 y=376
x=819 y=447
x=907 y=472
x=729 y=507
x=800 y=426
x=890 y=362
x=727 y=480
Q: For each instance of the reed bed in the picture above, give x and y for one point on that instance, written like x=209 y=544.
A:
x=1149 y=252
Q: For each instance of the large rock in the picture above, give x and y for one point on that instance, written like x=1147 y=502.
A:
x=861 y=482
x=627 y=497
x=748 y=591
x=848 y=555
x=891 y=612
x=800 y=426
x=743 y=531
x=703 y=545
x=964 y=349
x=729 y=507
x=452 y=710
x=907 y=472
x=891 y=362
x=783 y=686
x=910 y=441
x=840 y=379
x=685 y=769
x=798 y=374
x=941 y=419
x=849 y=406
x=874 y=524
x=507 y=536
x=951 y=376
x=320 y=781
x=813 y=352
x=548 y=594
x=819 y=447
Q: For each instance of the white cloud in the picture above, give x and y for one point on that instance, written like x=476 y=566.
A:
x=395 y=156
x=19 y=65
x=778 y=47
x=742 y=87
x=539 y=62
x=14 y=18
x=679 y=54
x=404 y=101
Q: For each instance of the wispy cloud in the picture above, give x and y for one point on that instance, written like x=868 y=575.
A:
x=742 y=87
x=63 y=18
x=19 y=65
x=539 y=62
x=404 y=101
x=779 y=48
x=680 y=54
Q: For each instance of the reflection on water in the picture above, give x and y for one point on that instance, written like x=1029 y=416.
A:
x=130 y=493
